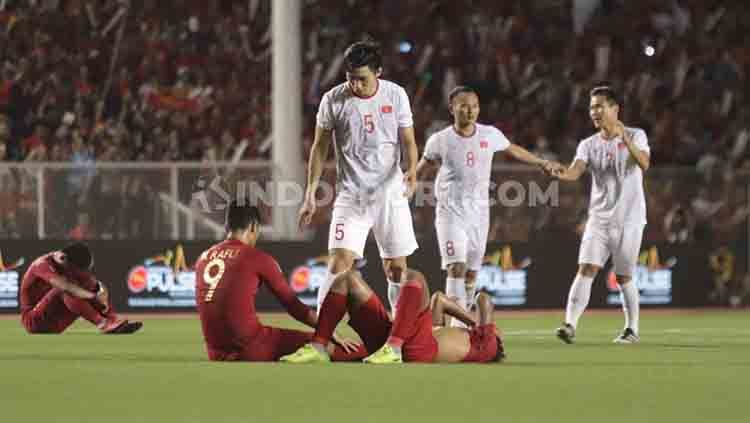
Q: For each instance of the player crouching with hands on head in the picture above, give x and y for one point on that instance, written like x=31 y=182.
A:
x=59 y=287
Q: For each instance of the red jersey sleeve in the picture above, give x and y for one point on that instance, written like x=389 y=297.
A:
x=270 y=273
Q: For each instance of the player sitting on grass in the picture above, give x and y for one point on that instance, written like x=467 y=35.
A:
x=228 y=277
x=410 y=337
x=59 y=287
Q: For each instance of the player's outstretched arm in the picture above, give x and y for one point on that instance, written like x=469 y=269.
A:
x=524 y=155
x=318 y=155
x=270 y=273
x=572 y=173
x=442 y=306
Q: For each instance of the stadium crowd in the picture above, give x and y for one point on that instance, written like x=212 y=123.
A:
x=189 y=79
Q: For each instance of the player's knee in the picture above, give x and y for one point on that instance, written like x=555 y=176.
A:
x=341 y=261
x=484 y=301
x=588 y=270
x=395 y=269
x=411 y=275
x=623 y=280
x=343 y=280
x=471 y=277
x=436 y=299
x=457 y=270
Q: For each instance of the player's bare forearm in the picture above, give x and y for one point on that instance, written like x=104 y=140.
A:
x=572 y=173
x=318 y=155
x=426 y=167
x=444 y=306
x=71 y=288
x=409 y=142
x=524 y=155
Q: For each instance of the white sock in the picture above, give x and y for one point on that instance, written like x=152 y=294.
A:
x=394 y=290
x=578 y=299
x=324 y=288
x=630 y=305
x=456 y=288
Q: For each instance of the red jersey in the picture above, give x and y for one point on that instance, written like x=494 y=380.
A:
x=35 y=283
x=228 y=276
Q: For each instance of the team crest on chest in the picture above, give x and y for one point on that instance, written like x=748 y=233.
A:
x=386 y=109
x=484 y=144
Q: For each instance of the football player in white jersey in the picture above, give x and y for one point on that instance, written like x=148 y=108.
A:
x=369 y=121
x=462 y=153
x=616 y=156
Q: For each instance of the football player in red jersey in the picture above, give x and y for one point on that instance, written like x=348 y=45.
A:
x=228 y=277
x=59 y=287
x=411 y=336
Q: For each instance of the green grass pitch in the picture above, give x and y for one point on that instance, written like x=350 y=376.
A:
x=689 y=367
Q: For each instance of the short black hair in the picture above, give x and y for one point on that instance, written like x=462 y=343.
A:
x=363 y=53
x=460 y=90
x=240 y=215
x=78 y=255
x=607 y=92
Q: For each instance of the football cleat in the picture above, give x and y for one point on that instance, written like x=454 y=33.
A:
x=628 y=336
x=112 y=326
x=129 y=327
x=566 y=333
x=306 y=354
x=385 y=355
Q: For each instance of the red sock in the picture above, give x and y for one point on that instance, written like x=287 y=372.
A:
x=331 y=312
x=408 y=306
x=83 y=308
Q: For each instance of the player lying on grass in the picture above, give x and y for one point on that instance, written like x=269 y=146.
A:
x=59 y=287
x=410 y=337
x=228 y=277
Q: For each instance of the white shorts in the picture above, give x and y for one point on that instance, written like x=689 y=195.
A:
x=622 y=243
x=462 y=242
x=389 y=217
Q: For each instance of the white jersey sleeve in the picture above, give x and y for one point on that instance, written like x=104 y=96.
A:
x=433 y=149
x=404 y=115
x=582 y=152
x=325 y=115
x=499 y=142
x=641 y=140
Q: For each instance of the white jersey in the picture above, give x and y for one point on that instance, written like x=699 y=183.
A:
x=463 y=181
x=617 y=197
x=368 y=153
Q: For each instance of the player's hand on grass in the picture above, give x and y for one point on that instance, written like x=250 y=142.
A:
x=306 y=213
x=410 y=180
x=347 y=344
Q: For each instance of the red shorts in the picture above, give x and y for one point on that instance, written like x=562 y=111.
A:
x=269 y=344
x=421 y=346
x=49 y=315
x=372 y=324
x=484 y=345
